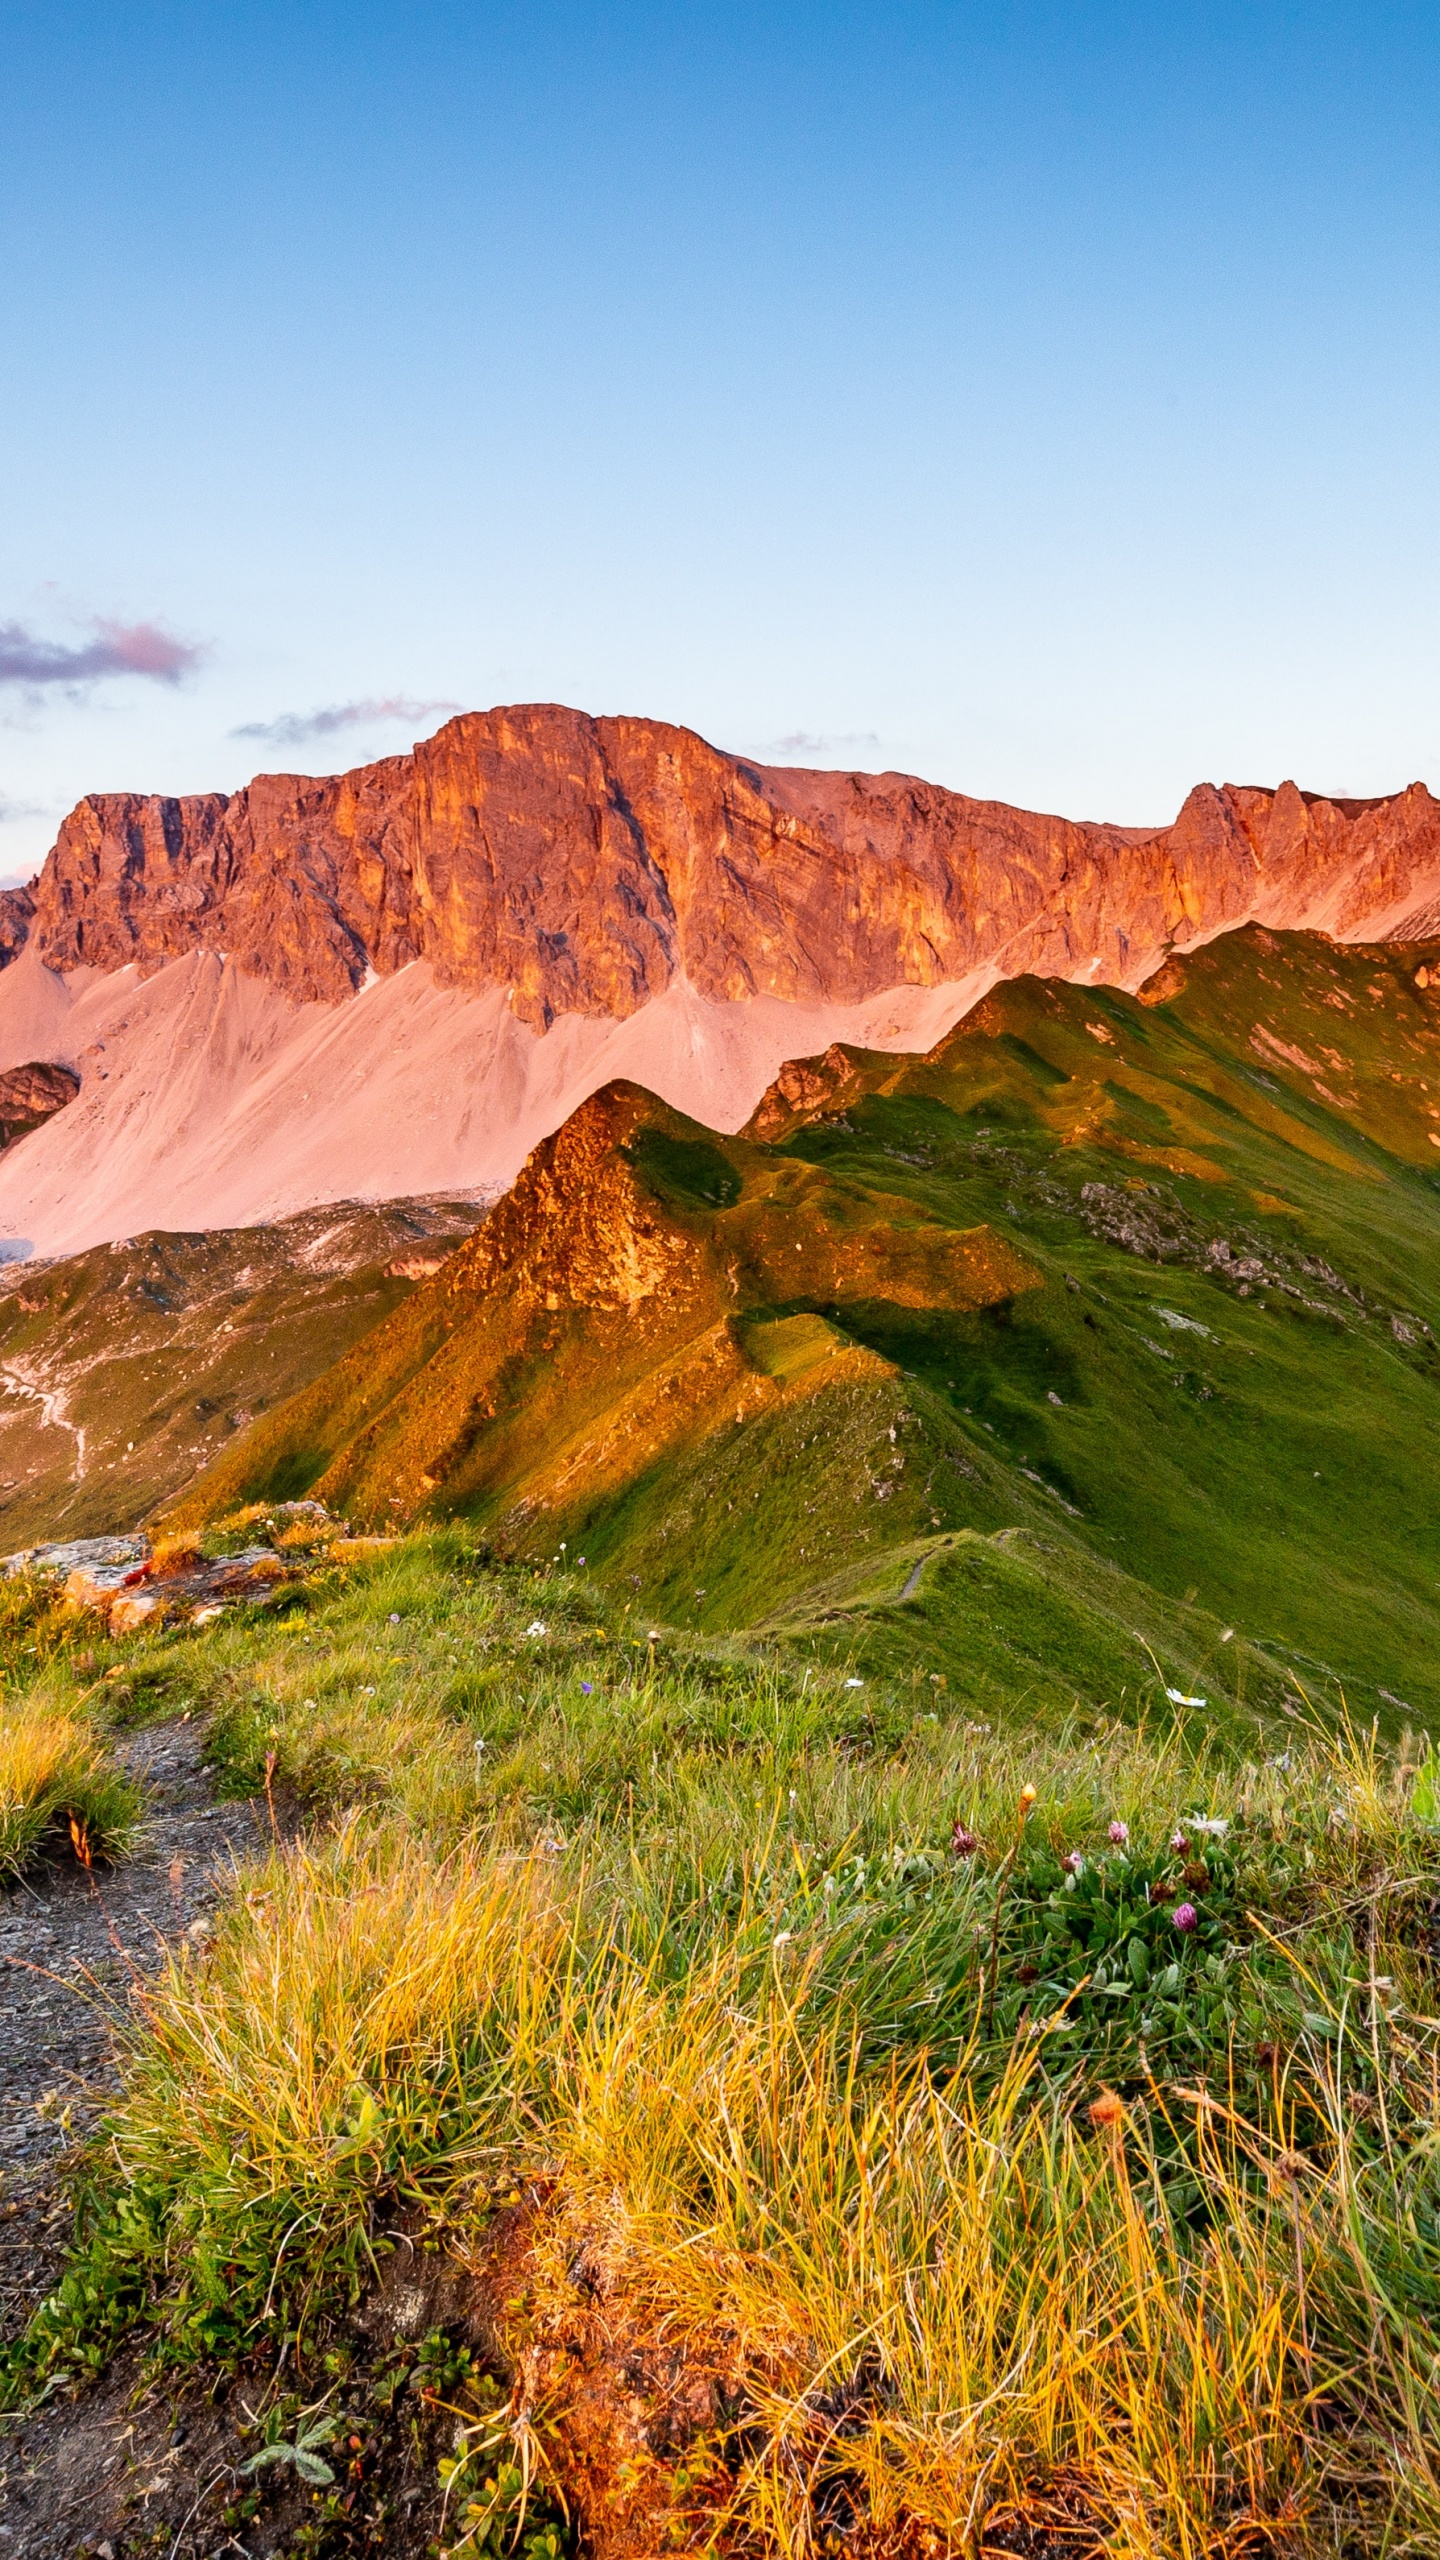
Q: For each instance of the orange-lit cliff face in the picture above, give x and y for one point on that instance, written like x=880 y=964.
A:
x=400 y=980
x=588 y=864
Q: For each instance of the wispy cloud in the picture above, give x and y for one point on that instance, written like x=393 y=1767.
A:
x=117 y=649
x=803 y=742
x=296 y=728
x=13 y=810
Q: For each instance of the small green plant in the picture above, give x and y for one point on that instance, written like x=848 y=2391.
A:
x=501 y=2511
x=506 y=2519
x=300 y=2453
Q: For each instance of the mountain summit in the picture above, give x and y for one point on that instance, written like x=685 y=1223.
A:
x=401 y=978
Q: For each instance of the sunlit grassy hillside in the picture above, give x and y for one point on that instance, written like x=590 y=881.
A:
x=1149 y=1280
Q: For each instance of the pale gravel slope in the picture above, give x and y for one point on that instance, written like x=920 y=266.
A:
x=208 y=1099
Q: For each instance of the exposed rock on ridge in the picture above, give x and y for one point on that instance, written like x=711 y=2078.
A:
x=597 y=1317
x=30 y=1095
x=587 y=864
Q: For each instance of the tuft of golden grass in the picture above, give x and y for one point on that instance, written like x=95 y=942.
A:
x=946 y=2297
x=362 y=2003
x=55 y=1774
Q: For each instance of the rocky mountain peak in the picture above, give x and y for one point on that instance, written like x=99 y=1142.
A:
x=586 y=864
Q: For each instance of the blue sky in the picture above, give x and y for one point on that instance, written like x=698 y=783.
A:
x=1040 y=398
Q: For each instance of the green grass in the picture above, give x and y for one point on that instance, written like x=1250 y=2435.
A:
x=578 y=1896
x=879 y=1857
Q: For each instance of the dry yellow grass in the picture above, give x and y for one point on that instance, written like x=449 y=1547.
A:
x=54 y=1773
x=951 y=2294
x=947 y=2294
x=354 y=1994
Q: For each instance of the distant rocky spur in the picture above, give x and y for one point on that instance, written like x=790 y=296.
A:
x=32 y=1094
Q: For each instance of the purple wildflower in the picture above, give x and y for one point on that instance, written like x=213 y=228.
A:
x=1073 y=1862
x=587 y=1688
x=1186 y=1917
x=963 y=1843
x=1120 y=1834
x=1179 y=1844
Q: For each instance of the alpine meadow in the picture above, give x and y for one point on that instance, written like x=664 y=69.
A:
x=747 y=1825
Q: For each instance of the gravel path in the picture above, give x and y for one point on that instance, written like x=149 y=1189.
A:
x=70 y=1947
x=123 y=2467
x=137 y=2467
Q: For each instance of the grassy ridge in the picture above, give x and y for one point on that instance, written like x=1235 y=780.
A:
x=1148 y=1279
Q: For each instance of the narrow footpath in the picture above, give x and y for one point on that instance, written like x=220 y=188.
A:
x=71 y=1946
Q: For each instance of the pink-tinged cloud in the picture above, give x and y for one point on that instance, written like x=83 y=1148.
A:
x=295 y=728
x=118 y=649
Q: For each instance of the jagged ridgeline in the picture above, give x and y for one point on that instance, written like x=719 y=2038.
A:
x=1100 y=1338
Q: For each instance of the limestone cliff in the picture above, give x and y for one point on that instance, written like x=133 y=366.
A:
x=586 y=864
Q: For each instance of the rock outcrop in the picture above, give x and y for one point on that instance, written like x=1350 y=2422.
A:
x=17 y=914
x=596 y=1318
x=585 y=865
x=33 y=1093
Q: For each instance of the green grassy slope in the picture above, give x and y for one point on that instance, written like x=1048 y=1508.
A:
x=1231 y=1374
x=640 y=2029
x=1151 y=1281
